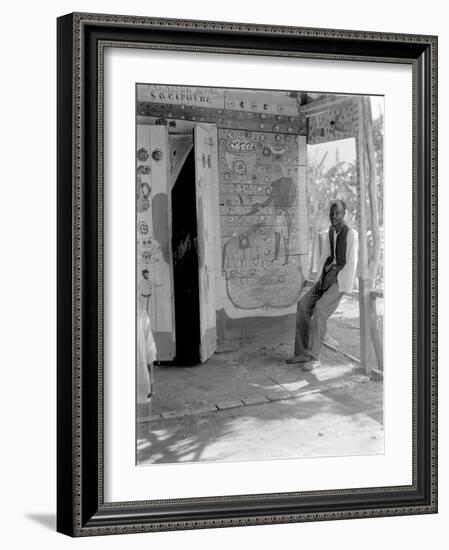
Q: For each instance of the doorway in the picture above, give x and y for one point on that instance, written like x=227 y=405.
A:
x=185 y=264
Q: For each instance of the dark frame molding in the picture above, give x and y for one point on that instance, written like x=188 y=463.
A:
x=81 y=510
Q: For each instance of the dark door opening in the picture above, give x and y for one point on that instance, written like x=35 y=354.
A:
x=185 y=264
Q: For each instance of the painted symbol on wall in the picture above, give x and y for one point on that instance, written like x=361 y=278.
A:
x=143 y=196
x=240 y=154
x=157 y=155
x=145 y=289
x=144 y=169
x=277 y=149
x=143 y=228
x=149 y=250
x=239 y=167
x=338 y=127
x=142 y=154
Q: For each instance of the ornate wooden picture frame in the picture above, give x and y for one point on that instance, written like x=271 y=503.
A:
x=81 y=507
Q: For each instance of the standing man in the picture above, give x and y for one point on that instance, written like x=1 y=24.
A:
x=336 y=276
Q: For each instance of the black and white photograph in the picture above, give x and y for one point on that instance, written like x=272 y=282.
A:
x=259 y=274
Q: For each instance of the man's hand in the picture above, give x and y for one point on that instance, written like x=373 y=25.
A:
x=329 y=279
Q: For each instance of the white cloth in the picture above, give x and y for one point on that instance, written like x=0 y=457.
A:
x=146 y=354
x=346 y=275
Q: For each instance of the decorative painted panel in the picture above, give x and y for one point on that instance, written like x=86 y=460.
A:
x=338 y=121
x=263 y=218
x=153 y=236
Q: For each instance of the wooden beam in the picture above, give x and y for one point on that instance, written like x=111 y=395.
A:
x=364 y=290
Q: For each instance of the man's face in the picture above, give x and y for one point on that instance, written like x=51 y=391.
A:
x=337 y=214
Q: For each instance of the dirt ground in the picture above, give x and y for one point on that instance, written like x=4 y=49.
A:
x=250 y=404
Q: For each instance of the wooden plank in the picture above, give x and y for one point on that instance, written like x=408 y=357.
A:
x=338 y=121
x=154 y=257
x=176 y=116
x=145 y=245
x=364 y=291
x=206 y=177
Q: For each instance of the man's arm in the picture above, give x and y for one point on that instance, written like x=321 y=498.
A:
x=347 y=274
x=325 y=253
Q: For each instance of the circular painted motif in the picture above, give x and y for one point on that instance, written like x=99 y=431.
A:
x=143 y=228
x=142 y=155
x=157 y=155
x=239 y=167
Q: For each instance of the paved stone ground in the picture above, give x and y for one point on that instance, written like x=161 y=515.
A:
x=249 y=403
x=341 y=421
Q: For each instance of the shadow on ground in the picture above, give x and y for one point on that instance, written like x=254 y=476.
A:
x=334 y=423
x=336 y=410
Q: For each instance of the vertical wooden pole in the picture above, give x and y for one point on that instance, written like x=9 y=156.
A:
x=363 y=250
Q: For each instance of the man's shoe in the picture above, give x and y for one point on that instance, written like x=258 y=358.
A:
x=298 y=359
x=311 y=365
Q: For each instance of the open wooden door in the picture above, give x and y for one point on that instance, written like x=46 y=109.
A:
x=154 y=274
x=206 y=176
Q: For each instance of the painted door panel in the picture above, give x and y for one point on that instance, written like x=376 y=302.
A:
x=206 y=176
x=154 y=264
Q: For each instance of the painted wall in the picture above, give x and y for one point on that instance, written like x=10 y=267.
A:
x=263 y=220
x=261 y=244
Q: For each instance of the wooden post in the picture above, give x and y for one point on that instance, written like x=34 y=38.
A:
x=364 y=298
